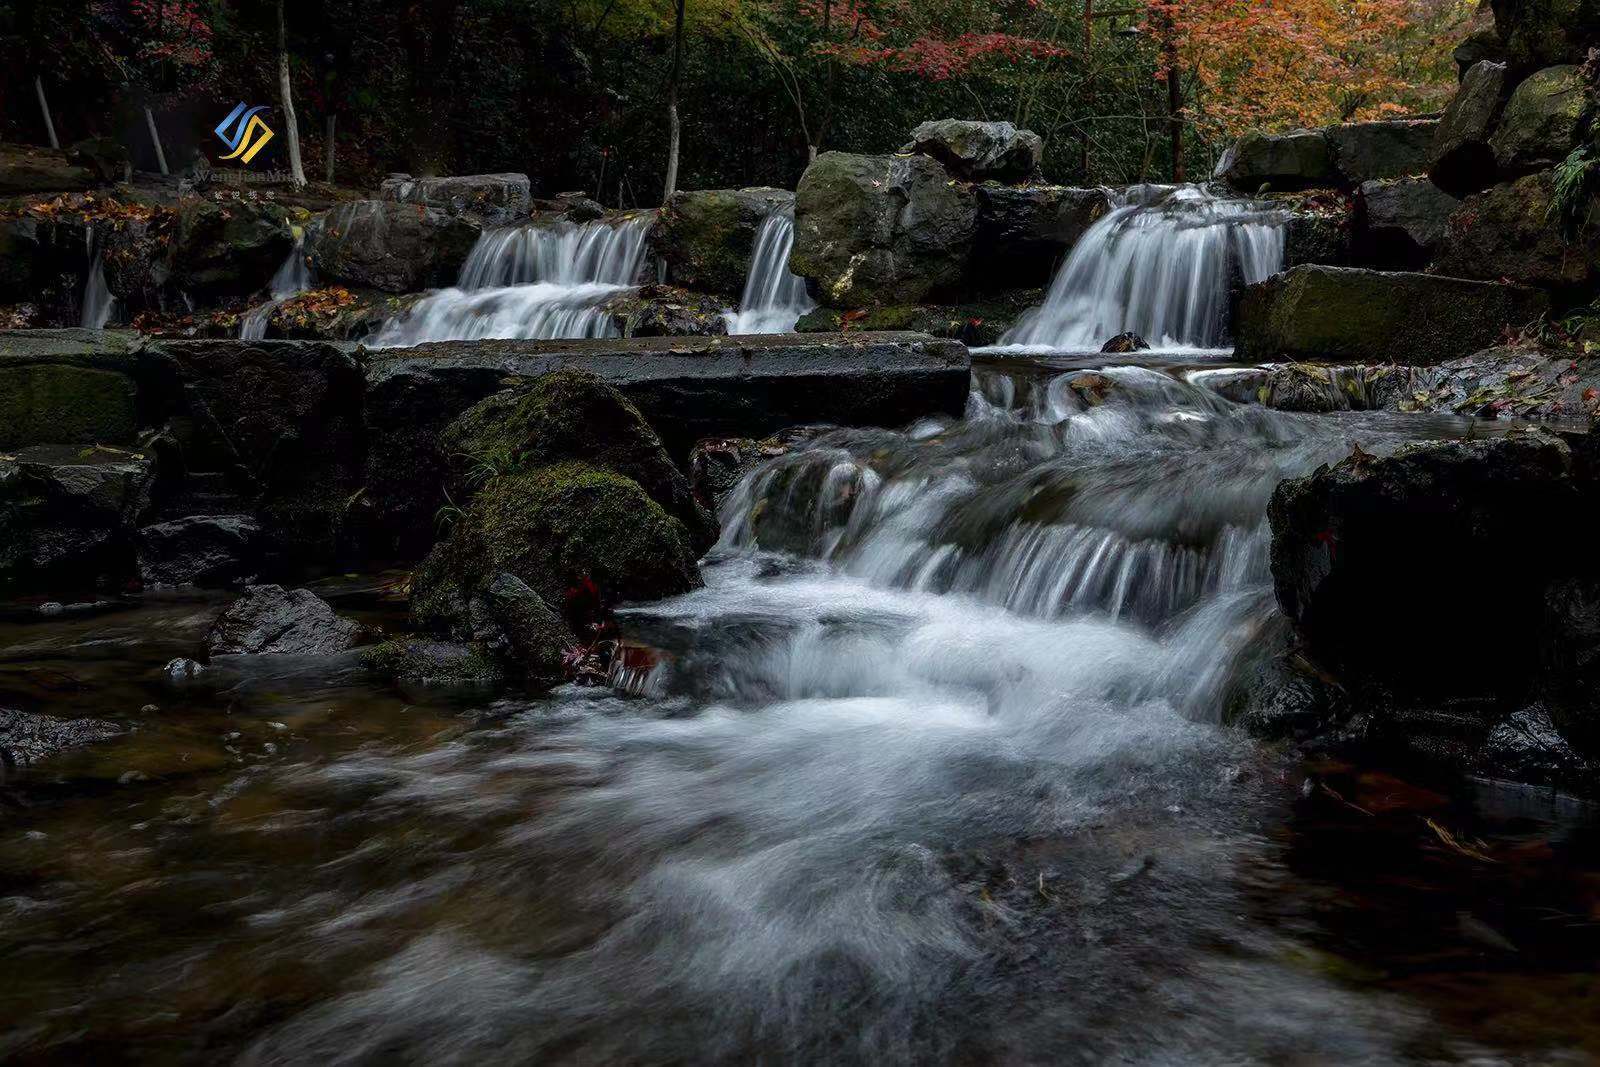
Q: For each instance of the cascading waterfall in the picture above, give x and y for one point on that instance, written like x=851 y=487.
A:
x=99 y=305
x=536 y=280
x=292 y=278
x=1160 y=265
x=774 y=298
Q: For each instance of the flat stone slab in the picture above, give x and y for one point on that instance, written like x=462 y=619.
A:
x=68 y=387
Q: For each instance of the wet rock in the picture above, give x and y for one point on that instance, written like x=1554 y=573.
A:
x=980 y=151
x=1570 y=658
x=707 y=236
x=68 y=515
x=717 y=463
x=228 y=249
x=1317 y=233
x=972 y=322
x=1539 y=33
x=1298 y=159
x=183 y=670
x=1400 y=223
x=423 y=661
x=878 y=230
x=203 y=550
x=526 y=632
x=1509 y=383
x=1540 y=122
x=1125 y=342
x=67 y=387
x=392 y=247
x=1320 y=388
x=1460 y=160
x=1527 y=747
x=496 y=198
x=665 y=311
x=1025 y=232
x=107 y=157
x=1513 y=230
x=577 y=208
x=1380 y=150
x=135 y=257
x=25 y=169
x=1284 y=697
x=27 y=738
x=271 y=620
x=1380 y=562
x=1317 y=313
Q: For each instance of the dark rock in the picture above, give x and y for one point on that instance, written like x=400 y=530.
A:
x=1527 y=747
x=974 y=322
x=531 y=636
x=27 y=738
x=980 y=151
x=134 y=256
x=491 y=197
x=1320 y=388
x=424 y=661
x=1374 y=151
x=1284 y=697
x=578 y=208
x=1460 y=160
x=1317 y=235
x=1312 y=313
x=205 y=550
x=20 y=259
x=182 y=670
x=1514 y=231
x=1025 y=232
x=1479 y=46
x=873 y=230
x=1299 y=159
x=1508 y=383
x=68 y=387
x=665 y=311
x=1380 y=562
x=1569 y=651
x=107 y=157
x=24 y=169
x=1125 y=342
x=271 y=620
x=1400 y=223
x=1540 y=123
x=1541 y=33
x=67 y=515
x=229 y=249
x=707 y=236
x=396 y=248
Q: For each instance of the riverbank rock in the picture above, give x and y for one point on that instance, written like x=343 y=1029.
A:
x=1509 y=383
x=1342 y=314
x=878 y=230
x=707 y=236
x=1322 y=388
x=974 y=322
x=497 y=198
x=228 y=249
x=272 y=620
x=1379 y=562
x=392 y=247
x=1400 y=223
x=666 y=311
x=68 y=515
x=26 y=169
x=1025 y=232
x=1514 y=231
x=67 y=387
x=980 y=151
x=1540 y=33
x=1381 y=150
x=427 y=662
x=202 y=550
x=1460 y=160
x=26 y=738
x=1540 y=122
x=1284 y=162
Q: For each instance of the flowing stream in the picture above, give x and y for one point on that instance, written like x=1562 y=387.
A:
x=774 y=297
x=99 y=305
x=292 y=278
x=535 y=280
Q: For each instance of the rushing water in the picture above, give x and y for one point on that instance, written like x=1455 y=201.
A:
x=932 y=772
x=292 y=278
x=774 y=297
x=534 y=280
x=1161 y=265
x=99 y=305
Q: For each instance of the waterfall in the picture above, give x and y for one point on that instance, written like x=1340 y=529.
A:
x=292 y=278
x=774 y=298
x=99 y=305
x=535 y=280
x=1160 y=265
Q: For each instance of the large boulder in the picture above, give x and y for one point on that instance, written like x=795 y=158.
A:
x=491 y=197
x=1419 y=573
x=1388 y=148
x=707 y=236
x=881 y=229
x=68 y=515
x=1298 y=159
x=393 y=247
x=1514 y=230
x=203 y=550
x=1540 y=122
x=1025 y=232
x=67 y=387
x=1541 y=33
x=228 y=249
x=24 y=169
x=1460 y=160
x=980 y=151
x=1344 y=314
x=272 y=620
x=1400 y=223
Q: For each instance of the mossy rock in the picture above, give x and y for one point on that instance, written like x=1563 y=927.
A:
x=228 y=249
x=708 y=235
x=566 y=416
x=65 y=403
x=552 y=527
x=422 y=661
x=1541 y=119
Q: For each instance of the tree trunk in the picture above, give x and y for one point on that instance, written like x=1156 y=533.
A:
x=674 y=127
x=155 y=139
x=333 y=126
x=44 y=107
x=291 y=132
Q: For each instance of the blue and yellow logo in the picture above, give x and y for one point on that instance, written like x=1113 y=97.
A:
x=244 y=132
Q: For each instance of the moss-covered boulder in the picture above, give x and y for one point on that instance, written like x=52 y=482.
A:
x=1540 y=122
x=667 y=311
x=880 y=230
x=707 y=235
x=424 y=661
x=67 y=387
x=388 y=246
x=1514 y=230
x=1541 y=33
x=1460 y=160
x=980 y=151
x=1343 y=314
x=228 y=249
x=1383 y=149
x=1285 y=162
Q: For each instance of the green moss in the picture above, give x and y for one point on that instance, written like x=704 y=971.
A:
x=414 y=659
x=58 y=403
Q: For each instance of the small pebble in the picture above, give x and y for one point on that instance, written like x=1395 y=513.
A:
x=270 y=749
x=278 y=726
x=132 y=776
x=36 y=835
x=149 y=709
x=53 y=607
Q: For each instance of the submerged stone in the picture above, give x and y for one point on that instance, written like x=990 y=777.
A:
x=272 y=620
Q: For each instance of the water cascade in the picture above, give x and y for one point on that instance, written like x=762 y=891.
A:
x=534 y=280
x=99 y=305
x=292 y=278
x=774 y=298
x=1160 y=264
